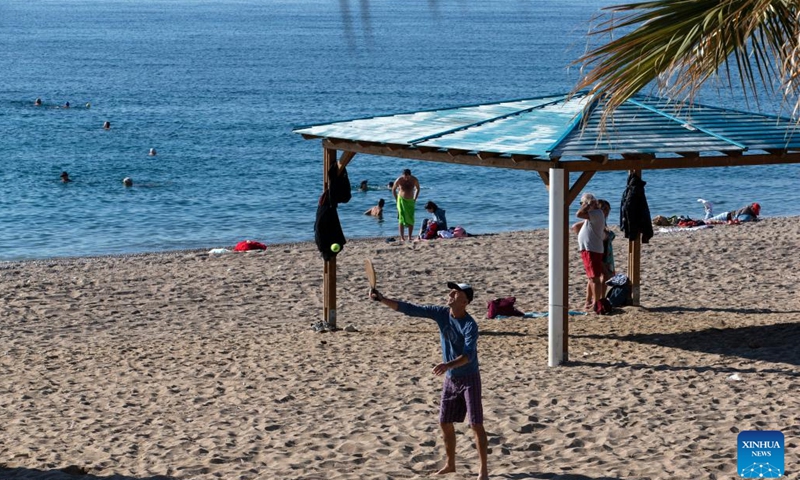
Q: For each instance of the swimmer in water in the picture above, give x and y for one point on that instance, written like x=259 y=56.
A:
x=127 y=182
x=152 y=152
x=106 y=125
x=65 y=177
x=38 y=102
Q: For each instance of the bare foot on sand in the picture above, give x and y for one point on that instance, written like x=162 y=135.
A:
x=446 y=469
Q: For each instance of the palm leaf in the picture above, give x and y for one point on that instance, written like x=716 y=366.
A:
x=677 y=45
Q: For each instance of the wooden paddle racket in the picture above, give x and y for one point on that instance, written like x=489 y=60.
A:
x=373 y=279
x=370 y=270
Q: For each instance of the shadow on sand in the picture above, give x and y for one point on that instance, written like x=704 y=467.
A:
x=551 y=476
x=767 y=343
x=68 y=473
x=744 y=311
x=489 y=333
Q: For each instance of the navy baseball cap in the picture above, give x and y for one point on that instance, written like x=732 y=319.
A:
x=463 y=287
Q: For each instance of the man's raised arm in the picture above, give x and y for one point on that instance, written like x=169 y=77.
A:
x=375 y=295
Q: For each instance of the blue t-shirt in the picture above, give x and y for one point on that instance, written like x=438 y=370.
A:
x=459 y=336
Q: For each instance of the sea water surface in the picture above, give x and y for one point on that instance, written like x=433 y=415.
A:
x=217 y=87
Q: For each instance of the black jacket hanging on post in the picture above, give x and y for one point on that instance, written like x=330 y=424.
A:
x=327 y=228
x=338 y=185
x=634 y=214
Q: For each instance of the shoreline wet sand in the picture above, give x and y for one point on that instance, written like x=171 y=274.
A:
x=189 y=365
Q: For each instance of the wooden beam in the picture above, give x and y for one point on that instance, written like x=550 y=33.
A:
x=635 y=260
x=521 y=158
x=346 y=157
x=545 y=178
x=689 y=154
x=601 y=159
x=638 y=156
x=697 y=162
x=427 y=149
x=329 y=267
x=455 y=153
x=488 y=155
x=576 y=188
x=450 y=156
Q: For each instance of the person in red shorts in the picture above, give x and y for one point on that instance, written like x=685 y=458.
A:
x=590 y=243
x=461 y=391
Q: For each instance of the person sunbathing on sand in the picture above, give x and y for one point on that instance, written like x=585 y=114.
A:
x=747 y=213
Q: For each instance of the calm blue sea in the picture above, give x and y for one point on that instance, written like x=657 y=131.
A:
x=216 y=88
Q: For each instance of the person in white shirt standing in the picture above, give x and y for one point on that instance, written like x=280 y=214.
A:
x=590 y=243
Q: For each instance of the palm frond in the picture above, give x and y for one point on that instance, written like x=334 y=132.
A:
x=677 y=45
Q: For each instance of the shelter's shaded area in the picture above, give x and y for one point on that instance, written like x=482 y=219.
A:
x=741 y=310
x=767 y=343
x=67 y=473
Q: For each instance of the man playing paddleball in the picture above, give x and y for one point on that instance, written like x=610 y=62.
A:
x=461 y=392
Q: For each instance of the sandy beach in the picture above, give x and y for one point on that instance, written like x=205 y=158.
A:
x=194 y=366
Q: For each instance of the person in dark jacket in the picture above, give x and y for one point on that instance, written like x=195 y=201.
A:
x=634 y=214
x=438 y=217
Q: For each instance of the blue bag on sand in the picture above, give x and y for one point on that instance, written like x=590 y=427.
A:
x=619 y=293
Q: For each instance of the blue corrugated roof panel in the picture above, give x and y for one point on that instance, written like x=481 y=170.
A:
x=547 y=127
x=405 y=128
x=635 y=129
x=529 y=133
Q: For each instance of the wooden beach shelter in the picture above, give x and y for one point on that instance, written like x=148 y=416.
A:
x=549 y=135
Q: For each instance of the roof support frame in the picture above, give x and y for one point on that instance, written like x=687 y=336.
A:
x=554 y=168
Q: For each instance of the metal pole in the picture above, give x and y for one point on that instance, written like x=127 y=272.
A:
x=557 y=314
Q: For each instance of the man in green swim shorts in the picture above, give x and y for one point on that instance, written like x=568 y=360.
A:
x=405 y=191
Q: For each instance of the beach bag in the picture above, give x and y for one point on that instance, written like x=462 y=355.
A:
x=619 y=296
x=602 y=307
x=620 y=291
x=504 y=307
x=431 y=231
x=247 y=245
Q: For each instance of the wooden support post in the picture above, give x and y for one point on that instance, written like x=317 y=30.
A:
x=329 y=270
x=635 y=259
